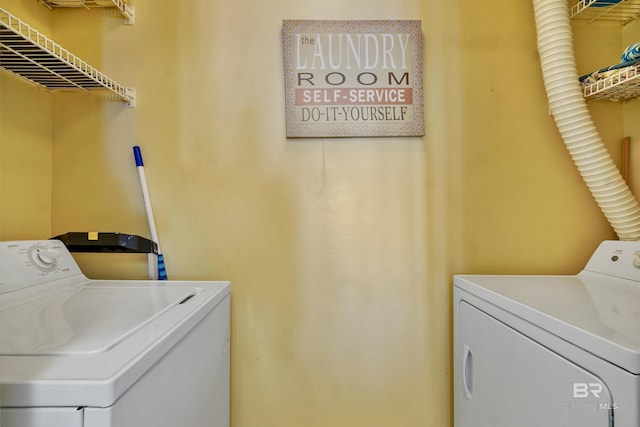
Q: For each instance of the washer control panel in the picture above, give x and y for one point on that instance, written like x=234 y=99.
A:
x=25 y=263
x=617 y=258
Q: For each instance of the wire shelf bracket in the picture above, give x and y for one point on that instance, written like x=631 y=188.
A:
x=125 y=10
x=31 y=55
x=623 y=12
x=619 y=87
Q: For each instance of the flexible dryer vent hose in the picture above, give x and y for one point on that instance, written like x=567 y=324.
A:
x=569 y=110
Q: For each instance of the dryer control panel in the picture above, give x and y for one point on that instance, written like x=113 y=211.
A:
x=617 y=258
x=26 y=263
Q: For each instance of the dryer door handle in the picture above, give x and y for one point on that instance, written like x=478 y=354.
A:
x=467 y=371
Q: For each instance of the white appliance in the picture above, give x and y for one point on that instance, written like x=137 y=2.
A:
x=553 y=351
x=76 y=352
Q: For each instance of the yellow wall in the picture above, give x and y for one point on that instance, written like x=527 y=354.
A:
x=25 y=147
x=340 y=251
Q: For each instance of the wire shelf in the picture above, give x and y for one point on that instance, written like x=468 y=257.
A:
x=624 y=11
x=31 y=55
x=125 y=10
x=621 y=86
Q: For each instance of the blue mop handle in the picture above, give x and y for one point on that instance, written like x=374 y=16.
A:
x=138 y=156
x=162 y=273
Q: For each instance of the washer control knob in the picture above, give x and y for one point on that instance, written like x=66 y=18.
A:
x=636 y=259
x=48 y=256
x=44 y=258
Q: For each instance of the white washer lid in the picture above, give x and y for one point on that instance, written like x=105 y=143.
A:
x=97 y=338
x=80 y=319
x=596 y=312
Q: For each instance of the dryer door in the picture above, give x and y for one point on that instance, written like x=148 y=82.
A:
x=505 y=379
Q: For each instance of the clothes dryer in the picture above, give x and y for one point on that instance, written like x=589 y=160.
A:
x=561 y=351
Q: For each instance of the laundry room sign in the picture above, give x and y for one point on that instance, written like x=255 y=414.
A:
x=353 y=78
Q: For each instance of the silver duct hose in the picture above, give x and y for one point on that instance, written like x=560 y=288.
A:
x=569 y=109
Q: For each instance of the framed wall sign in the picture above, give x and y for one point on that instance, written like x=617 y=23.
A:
x=353 y=78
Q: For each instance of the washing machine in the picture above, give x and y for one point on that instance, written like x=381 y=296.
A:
x=552 y=351
x=76 y=352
